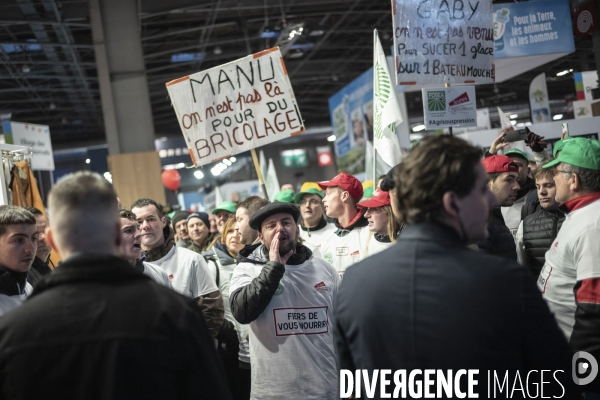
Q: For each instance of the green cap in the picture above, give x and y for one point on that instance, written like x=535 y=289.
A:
x=583 y=153
x=558 y=146
x=300 y=195
x=517 y=152
x=285 y=196
x=228 y=206
x=368 y=193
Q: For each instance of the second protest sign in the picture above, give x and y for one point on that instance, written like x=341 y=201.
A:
x=236 y=107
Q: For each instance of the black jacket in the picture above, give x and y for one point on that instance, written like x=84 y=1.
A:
x=428 y=302
x=249 y=302
x=500 y=241
x=98 y=329
x=38 y=270
x=539 y=231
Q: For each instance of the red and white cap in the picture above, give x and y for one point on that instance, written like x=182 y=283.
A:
x=499 y=163
x=379 y=199
x=347 y=182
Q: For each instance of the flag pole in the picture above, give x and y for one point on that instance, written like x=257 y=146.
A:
x=449 y=128
x=374 y=102
x=261 y=180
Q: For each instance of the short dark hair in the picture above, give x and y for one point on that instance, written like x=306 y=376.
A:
x=34 y=211
x=435 y=166
x=148 y=202
x=14 y=215
x=590 y=179
x=253 y=204
x=125 y=213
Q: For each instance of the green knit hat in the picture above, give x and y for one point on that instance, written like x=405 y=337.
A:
x=228 y=206
x=300 y=195
x=285 y=196
x=583 y=153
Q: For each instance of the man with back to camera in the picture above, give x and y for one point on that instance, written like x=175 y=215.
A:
x=187 y=271
x=538 y=230
x=18 y=244
x=130 y=249
x=96 y=328
x=346 y=246
x=314 y=230
x=431 y=303
x=40 y=267
x=245 y=210
x=286 y=295
x=570 y=277
x=503 y=174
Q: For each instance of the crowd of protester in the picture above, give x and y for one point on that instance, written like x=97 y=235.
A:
x=456 y=260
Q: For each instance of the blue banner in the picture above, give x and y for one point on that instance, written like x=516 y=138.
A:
x=532 y=28
x=351 y=111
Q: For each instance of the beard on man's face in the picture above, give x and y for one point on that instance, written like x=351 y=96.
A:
x=285 y=245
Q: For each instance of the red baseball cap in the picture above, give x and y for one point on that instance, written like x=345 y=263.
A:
x=380 y=198
x=347 y=182
x=499 y=163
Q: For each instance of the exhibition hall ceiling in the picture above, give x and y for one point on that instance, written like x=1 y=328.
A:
x=48 y=72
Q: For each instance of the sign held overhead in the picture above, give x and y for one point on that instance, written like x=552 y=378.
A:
x=443 y=41
x=236 y=107
x=446 y=107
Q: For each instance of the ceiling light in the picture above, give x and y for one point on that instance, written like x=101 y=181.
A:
x=513 y=116
x=316 y=32
x=25 y=69
x=227 y=162
x=561 y=73
x=557 y=117
x=52 y=106
x=232 y=159
x=198 y=174
x=513 y=122
x=108 y=176
x=418 y=128
x=87 y=161
x=331 y=138
x=217 y=50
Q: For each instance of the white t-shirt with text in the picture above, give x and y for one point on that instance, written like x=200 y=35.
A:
x=291 y=342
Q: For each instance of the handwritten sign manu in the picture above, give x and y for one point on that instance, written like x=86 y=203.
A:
x=236 y=107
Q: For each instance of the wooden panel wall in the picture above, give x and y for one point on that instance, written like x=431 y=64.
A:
x=137 y=175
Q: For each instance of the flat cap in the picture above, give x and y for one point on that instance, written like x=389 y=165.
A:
x=276 y=207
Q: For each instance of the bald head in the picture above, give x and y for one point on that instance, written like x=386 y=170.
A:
x=85 y=217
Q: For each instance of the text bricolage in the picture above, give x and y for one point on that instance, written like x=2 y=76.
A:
x=437 y=384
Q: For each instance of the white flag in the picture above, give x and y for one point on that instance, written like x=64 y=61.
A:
x=386 y=111
x=271 y=181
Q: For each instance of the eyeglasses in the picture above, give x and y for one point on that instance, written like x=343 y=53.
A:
x=563 y=171
x=312 y=202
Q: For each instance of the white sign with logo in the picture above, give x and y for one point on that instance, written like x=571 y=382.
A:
x=438 y=42
x=37 y=137
x=582 y=109
x=236 y=107
x=453 y=106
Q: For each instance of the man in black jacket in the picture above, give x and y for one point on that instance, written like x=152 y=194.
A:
x=503 y=174
x=97 y=328
x=429 y=303
x=538 y=230
x=286 y=295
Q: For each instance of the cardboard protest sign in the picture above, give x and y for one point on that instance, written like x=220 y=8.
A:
x=443 y=41
x=236 y=107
